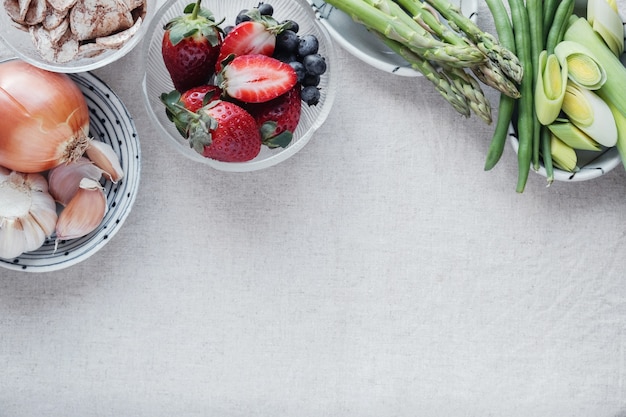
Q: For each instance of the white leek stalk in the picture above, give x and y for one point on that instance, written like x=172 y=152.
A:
x=550 y=87
x=620 y=121
x=573 y=136
x=590 y=113
x=563 y=155
x=583 y=67
x=605 y=20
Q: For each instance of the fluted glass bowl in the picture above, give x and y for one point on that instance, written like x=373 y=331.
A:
x=20 y=42
x=156 y=79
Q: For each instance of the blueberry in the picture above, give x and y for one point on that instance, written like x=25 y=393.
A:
x=284 y=56
x=287 y=40
x=265 y=9
x=315 y=64
x=308 y=45
x=242 y=17
x=228 y=29
x=291 y=25
x=310 y=80
x=310 y=95
x=299 y=69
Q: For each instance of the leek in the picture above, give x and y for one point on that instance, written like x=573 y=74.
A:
x=620 y=121
x=550 y=87
x=573 y=136
x=590 y=114
x=605 y=20
x=582 y=66
x=614 y=88
x=563 y=155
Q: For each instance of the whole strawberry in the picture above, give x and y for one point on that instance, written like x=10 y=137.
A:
x=197 y=97
x=190 y=47
x=220 y=130
x=277 y=119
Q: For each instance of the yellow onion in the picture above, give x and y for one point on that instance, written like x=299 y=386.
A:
x=45 y=119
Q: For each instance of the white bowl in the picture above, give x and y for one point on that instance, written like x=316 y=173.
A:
x=21 y=44
x=109 y=122
x=157 y=80
x=358 y=41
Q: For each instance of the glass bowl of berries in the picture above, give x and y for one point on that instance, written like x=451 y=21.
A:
x=239 y=85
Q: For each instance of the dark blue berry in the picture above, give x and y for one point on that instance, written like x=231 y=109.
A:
x=310 y=80
x=265 y=9
x=228 y=29
x=315 y=64
x=310 y=95
x=242 y=17
x=299 y=69
x=291 y=25
x=284 y=56
x=287 y=40
x=308 y=45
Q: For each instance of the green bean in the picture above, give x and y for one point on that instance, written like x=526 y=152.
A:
x=546 y=152
x=559 y=24
x=549 y=10
x=534 y=10
x=507 y=104
x=521 y=30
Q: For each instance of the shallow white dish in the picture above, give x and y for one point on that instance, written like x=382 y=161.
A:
x=21 y=44
x=358 y=41
x=110 y=122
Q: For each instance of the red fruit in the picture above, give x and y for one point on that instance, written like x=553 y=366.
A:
x=190 y=47
x=277 y=119
x=219 y=130
x=235 y=137
x=256 y=78
x=250 y=37
x=197 y=97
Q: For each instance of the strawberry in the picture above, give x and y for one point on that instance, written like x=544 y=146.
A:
x=256 y=78
x=190 y=47
x=197 y=97
x=278 y=118
x=254 y=36
x=219 y=130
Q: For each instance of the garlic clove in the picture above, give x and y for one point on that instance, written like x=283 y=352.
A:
x=44 y=212
x=64 y=179
x=84 y=212
x=12 y=240
x=103 y=155
x=34 y=236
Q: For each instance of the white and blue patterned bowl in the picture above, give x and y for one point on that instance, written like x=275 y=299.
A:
x=358 y=41
x=109 y=122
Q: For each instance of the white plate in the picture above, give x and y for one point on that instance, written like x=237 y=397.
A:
x=109 y=122
x=356 y=39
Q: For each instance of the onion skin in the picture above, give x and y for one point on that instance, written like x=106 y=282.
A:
x=45 y=118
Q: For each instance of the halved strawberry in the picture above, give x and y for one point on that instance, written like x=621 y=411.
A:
x=254 y=36
x=278 y=118
x=256 y=78
x=219 y=130
x=197 y=97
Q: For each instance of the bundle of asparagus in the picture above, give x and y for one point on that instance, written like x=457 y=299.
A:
x=452 y=56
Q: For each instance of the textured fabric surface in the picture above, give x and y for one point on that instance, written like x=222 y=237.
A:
x=380 y=272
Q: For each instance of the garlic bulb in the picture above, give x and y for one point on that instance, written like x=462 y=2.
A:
x=63 y=180
x=27 y=212
x=84 y=212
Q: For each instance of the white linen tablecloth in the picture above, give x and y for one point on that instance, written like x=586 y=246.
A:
x=380 y=272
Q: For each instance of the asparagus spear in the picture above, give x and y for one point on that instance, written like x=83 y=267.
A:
x=413 y=37
x=442 y=84
x=487 y=43
x=470 y=88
